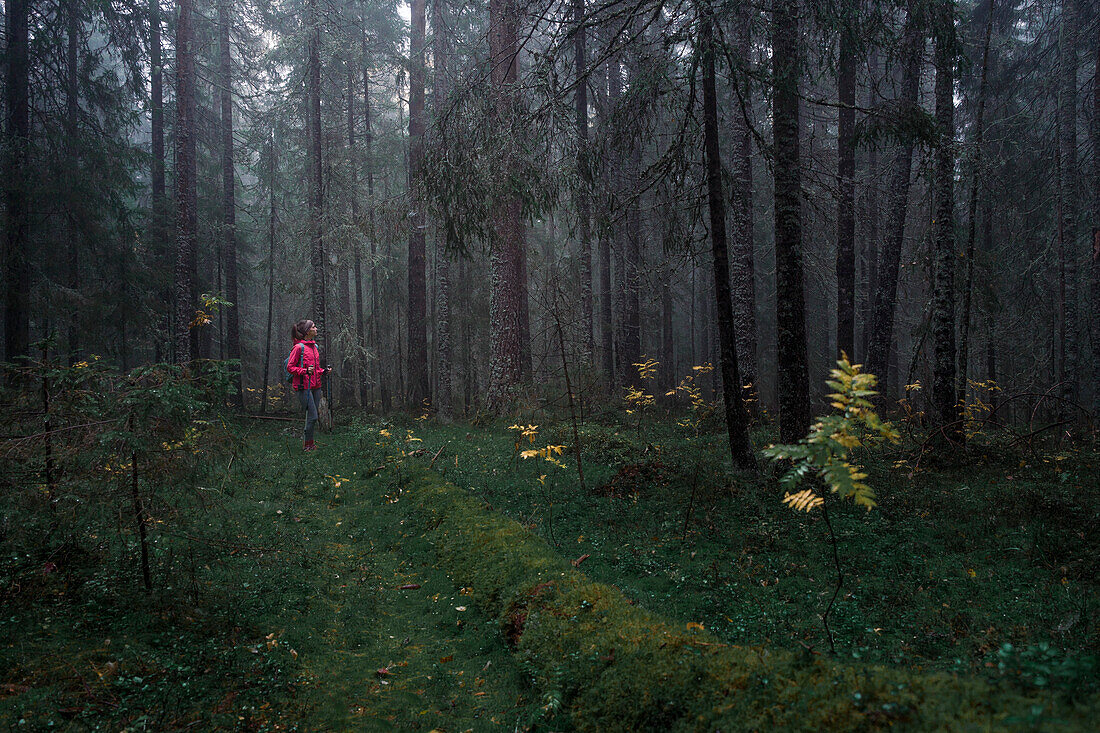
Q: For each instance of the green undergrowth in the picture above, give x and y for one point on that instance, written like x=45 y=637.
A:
x=296 y=594
x=617 y=666
x=988 y=568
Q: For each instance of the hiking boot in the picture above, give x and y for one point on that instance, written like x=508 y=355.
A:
x=309 y=445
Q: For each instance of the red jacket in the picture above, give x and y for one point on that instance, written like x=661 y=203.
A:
x=311 y=357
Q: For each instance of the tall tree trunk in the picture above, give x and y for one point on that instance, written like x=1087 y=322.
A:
x=604 y=231
x=668 y=334
x=632 y=241
x=582 y=196
x=507 y=242
x=355 y=317
x=316 y=177
x=885 y=300
x=793 y=377
x=1067 y=199
x=1096 y=232
x=870 y=222
x=944 y=398
x=368 y=165
x=845 y=174
x=17 y=269
x=271 y=221
x=441 y=51
x=159 y=224
x=359 y=368
x=229 y=204
x=185 y=338
x=419 y=390
x=972 y=215
x=618 y=244
x=72 y=104
x=742 y=266
x=736 y=418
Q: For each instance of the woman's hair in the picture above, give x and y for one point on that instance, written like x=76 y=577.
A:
x=299 y=330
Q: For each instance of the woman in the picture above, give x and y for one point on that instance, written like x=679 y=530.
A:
x=305 y=364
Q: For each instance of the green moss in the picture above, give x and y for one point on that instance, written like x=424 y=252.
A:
x=620 y=667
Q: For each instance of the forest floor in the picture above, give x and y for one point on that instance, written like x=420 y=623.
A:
x=300 y=595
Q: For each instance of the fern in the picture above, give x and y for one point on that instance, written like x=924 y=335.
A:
x=826 y=451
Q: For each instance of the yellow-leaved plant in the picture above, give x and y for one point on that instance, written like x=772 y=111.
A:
x=826 y=452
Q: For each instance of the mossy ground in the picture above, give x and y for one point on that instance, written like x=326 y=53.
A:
x=952 y=566
x=280 y=619
x=278 y=600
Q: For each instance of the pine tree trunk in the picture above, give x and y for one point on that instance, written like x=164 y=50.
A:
x=793 y=377
x=316 y=178
x=354 y=316
x=419 y=390
x=885 y=300
x=742 y=265
x=736 y=418
x=72 y=97
x=368 y=165
x=229 y=251
x=17 y=269
x=271 y=219
x=1096 y=233
x=185 y=338
x=668 y=334
x=441 y=50
x=582 y=196
x=604 y=231
x=616 y=192
x=159 y=223
x=944 y=398
x=870 y=223
x=845 y=174
x=1067 y=199
x=633 y=236
x=506 y=299
x=972 y=215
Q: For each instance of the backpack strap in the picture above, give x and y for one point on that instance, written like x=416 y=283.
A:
x=301 y=359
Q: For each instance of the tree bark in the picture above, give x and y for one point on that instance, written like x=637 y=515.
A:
x=793 y=377
x=845 y=174
x=742 y=265
x=633 y=234
x=1067 y=199
x=17 y=269
x=506 y=253
x=72 y=103
x=185 y=338
x=944 y=398
x=972 y=216
x=885 y=300
x=870 y=221
x=419 y=390
x=441 y=51
x=368 y=165
x=736 y=418
x=316 y=177
x=271 y=220
x=1096 y=232
x=582 y=197
x=159 y=223
x=229 y=204
x=355 y=317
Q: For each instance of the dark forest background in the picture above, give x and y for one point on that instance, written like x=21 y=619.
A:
x=915 y=183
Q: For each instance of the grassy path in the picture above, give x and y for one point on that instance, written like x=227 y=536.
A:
x=386 y=642
x=311 y=603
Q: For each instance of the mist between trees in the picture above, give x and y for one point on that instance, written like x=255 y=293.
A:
x=468 y=200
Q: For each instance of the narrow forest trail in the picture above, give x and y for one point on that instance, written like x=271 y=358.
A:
x=385 y=640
